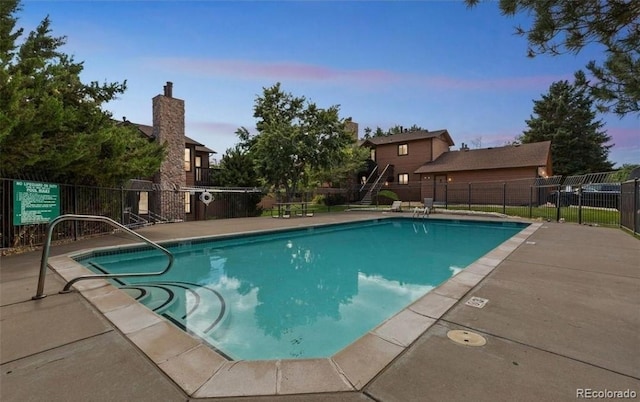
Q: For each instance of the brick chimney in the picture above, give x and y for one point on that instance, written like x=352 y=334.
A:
x=168 y=128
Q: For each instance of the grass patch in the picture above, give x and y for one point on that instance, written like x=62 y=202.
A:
x=600 y=216
x=597 y=216
x=316 y=208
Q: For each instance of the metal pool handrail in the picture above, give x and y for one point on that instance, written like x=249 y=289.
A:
x=94 y=218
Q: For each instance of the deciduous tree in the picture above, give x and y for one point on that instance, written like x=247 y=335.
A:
x=561 y=26
x=565 y=116
x=294 y=139
x=344 y=175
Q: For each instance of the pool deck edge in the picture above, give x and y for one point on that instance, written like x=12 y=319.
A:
x=562 y=315
x=357 y=364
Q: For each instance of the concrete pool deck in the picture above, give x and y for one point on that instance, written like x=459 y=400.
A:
x=562 y=315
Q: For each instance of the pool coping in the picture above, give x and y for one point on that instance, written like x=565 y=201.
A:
x=201 y=372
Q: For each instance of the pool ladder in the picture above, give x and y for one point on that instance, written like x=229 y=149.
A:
x=91 y=218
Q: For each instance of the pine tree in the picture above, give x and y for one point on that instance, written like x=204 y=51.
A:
x=561 y=26
x=53 y=124
x=566 y=117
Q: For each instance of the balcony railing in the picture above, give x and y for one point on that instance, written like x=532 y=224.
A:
x=206 y=176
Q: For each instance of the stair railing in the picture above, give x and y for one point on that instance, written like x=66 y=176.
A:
x=377 y=184
x=368 y=178
x=92 y=218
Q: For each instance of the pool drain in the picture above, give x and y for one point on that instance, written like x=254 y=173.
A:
x=466 y=338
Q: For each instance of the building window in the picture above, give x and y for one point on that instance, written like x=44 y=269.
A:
x=403 y=149
x=187 y=159
x=542 y=172
x=143 y=203
x=373 y=154
x=198 y=163
x=403 y=178
x=187 y=203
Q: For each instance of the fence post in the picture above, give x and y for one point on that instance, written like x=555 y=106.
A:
x=446 y=196
x=469 y=194
x=558 y=205
x=504 y=198
x=122 y=205
x=636 y=207
x=75 y=211
x=531 y=202
x=580 y=205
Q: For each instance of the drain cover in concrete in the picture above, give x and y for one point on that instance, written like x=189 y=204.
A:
x=466 y=338
x=477 y=302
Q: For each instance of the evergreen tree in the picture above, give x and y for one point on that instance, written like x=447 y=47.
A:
x=565 y=116
x=561 y=26
x=237 y=169
x=52 y=124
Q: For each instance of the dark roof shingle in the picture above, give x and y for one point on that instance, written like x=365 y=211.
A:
x=409 y=136
x=535 y=154
x=148 y=131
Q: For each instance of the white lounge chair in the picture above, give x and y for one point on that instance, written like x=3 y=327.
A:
x=396 y=206
x=426 y=208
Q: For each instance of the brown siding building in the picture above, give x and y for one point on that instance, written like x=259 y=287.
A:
x=403 y=154
x=511 y=163
x=421 y=165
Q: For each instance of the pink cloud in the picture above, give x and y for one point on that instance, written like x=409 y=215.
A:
x=245 y=69
x=275 y=71
x=624 y=137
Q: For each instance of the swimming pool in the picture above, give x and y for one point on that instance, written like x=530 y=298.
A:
x=303 y=293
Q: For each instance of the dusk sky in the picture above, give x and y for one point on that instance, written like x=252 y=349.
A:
x=436 y=64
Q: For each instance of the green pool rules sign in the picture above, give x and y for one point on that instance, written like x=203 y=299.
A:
x=35 y=202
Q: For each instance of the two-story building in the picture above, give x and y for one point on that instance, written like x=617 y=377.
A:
x=185 y=166
x=416 y=164
x=399 y=156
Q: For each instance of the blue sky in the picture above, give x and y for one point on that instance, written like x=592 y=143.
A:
x=436 y=64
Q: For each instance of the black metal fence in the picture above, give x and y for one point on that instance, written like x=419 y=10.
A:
x=630 y=205
x=133 y=207
x=594 y=199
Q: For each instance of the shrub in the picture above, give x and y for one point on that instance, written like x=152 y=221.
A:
x=335 y=199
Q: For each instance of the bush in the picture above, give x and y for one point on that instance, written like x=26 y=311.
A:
x=334 y=199
x=386 y=197
x=389 y=194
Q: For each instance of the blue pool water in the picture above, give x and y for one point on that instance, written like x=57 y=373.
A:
x=303 y=293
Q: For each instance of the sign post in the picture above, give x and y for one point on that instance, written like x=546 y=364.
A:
x=35 y=202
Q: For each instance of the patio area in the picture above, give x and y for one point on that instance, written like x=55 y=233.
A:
x=562 y=320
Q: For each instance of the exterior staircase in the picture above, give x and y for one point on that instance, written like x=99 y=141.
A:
x=369 y=188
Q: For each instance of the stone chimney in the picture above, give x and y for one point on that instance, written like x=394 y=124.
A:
x=352 y=127
x=168 y=128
